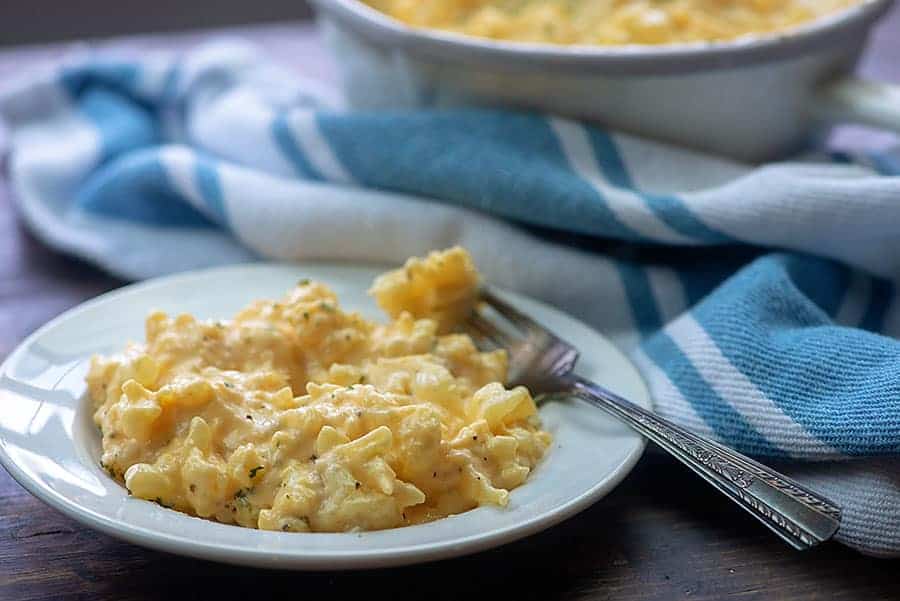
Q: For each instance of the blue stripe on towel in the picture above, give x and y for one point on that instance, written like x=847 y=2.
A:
x=206 y=175
x=110 y=74
x=823 y=282
x=504 y=163
x=123 y=124
x=700 y=271
x=640 y=297
x=136 y=188
x=721 y=417
x=668 y=208
x=284 y=139
x=839 y=384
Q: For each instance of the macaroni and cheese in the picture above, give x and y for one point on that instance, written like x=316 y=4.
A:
x=298 y=416
x=610 y=22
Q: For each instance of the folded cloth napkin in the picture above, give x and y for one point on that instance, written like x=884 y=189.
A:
x=759 y=302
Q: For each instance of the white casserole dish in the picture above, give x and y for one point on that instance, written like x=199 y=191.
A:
x=752 y=99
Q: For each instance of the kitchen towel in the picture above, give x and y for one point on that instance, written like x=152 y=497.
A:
x=760 y=302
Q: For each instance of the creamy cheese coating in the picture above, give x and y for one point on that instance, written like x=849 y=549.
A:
x=298 y=416
x=610 y=22
x=442 y=287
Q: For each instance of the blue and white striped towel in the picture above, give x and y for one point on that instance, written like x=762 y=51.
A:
x=759 y=302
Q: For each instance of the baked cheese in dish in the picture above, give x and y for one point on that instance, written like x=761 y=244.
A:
x=298 y=416
x=610 y=22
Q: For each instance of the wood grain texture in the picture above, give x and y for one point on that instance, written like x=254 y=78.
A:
x=656 y=537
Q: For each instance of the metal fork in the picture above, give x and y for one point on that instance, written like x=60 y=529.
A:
x=543 y=363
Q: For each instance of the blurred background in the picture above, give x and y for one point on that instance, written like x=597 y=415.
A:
x=40 y=31
x=33 y=21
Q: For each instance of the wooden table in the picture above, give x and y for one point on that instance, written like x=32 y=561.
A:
x=661 y=535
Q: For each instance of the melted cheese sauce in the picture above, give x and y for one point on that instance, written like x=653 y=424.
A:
x=610 y=22
x=298 y=416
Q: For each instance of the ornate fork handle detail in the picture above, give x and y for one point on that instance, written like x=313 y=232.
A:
x=798 y=515
x=717 y=463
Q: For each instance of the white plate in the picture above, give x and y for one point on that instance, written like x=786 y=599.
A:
x=49 y=443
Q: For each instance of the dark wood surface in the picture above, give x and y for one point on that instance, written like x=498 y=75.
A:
x=661 y=535
x=44 y=20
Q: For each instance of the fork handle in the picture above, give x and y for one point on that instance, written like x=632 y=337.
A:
x=795 y=513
